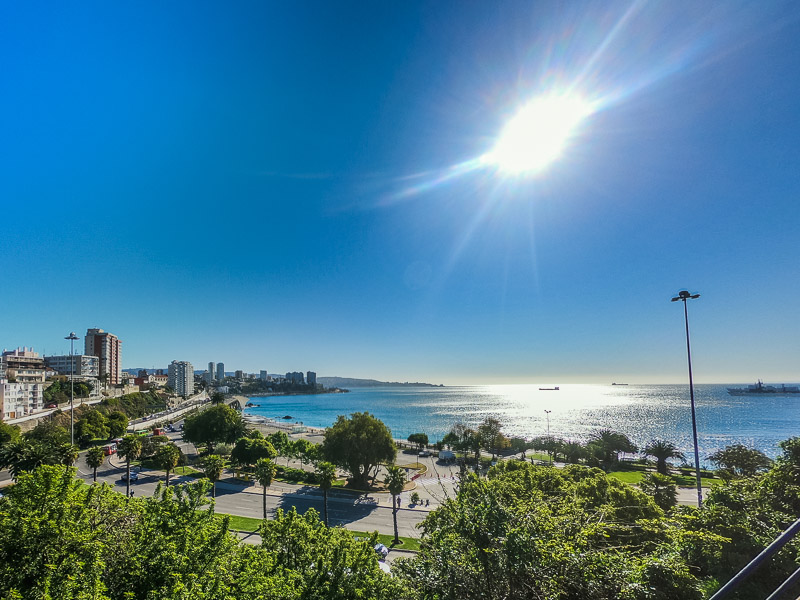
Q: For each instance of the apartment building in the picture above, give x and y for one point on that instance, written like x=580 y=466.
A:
x=180 y=377
x=108 y=348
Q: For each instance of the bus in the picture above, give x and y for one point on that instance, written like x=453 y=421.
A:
x=109 y=449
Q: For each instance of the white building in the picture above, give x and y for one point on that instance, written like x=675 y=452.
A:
x=85 y=365
x=20 y=399
x=22 y=365
x=180 y=377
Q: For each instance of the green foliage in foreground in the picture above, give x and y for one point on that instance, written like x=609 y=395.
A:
x=62 y=539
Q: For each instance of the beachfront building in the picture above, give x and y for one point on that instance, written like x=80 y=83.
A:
x=311 y=378
x=220 y=371
x=295 y=377
x=180 y=377
x=81 y=366
x=263 y=376
x=108 y=348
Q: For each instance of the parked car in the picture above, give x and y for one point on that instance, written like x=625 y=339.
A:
x=425 y=453
x=134 y=476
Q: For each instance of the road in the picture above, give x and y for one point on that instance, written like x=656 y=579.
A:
x=373 y=513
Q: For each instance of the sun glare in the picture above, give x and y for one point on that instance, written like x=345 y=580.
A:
x=537 y=134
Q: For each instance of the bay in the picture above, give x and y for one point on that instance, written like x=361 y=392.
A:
x=643 y=412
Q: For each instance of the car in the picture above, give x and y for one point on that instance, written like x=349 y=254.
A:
x=425 y=453
x=52 y=406
x=134 y=476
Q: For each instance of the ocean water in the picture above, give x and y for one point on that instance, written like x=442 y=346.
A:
x=643 y=412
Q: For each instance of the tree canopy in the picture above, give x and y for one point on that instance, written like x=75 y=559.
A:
x=741 y=461
x=218 y=423
x=359 y=444
x=62 y=539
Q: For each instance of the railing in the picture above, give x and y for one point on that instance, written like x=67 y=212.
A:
x=754 y=564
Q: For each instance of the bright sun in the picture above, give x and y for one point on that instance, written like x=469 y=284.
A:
x=537 y=134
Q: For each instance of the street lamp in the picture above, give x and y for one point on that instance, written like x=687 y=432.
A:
x=684 y=296
x=549 y=441
x=72 y=337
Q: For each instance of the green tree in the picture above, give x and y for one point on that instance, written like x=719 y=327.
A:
x=217 y=397
x=27 y=454
x=168 y=457
x=265 y=473
x=661 y=488
x=49 y=432
x=117 y=423
x=8 y=433
x=247 y=451
x=95 y=457
x=326 y=474
x=662 y=451
x=306 y=451
x=519 y=445
x=129 y=448
x=213 y=465
x=218 y=423
x=607 y=444
x=740 y=460
x=395 y=481
x=420 y=439
x=91 y=426
x=151 y=445
x=573 y=451
x=491 y=436
x=358 y=444
x=280 y=441
x=535 y=532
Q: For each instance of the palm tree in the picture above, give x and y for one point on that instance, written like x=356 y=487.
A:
x=265 y=473
x=212 y=466
x=662 y=451
x=66 y=454
x=95 y=457
x=327 y=475
x=129 y=448
x=609 y=444
x=395 y=481
x=168 y=457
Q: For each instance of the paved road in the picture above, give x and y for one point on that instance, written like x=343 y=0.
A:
x=353 y=512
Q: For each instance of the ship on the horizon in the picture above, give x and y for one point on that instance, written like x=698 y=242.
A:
x=759 y=389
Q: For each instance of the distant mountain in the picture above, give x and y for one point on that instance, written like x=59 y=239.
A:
x=350 y=382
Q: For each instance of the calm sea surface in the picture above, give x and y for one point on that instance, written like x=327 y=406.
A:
x=643 y=412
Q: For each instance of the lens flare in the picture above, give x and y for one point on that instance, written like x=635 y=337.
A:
x=538 y=134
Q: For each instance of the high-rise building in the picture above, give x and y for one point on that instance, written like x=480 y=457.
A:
x=311 y=378
x=220 y=371
x=211 y=368
x=108 y=348
x=264 y=375
x=180 y=377
x=295 y=377
x=239 y=375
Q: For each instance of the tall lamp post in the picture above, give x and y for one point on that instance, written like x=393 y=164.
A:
x=72 y=337
x=549 y=441
x=684 y=296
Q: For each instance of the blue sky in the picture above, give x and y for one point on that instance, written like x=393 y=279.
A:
x=277 y=185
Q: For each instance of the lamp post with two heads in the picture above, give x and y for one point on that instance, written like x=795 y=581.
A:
x=684 y=296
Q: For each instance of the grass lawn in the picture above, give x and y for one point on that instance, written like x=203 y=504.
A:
x=252 y=524
x=634 y=477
